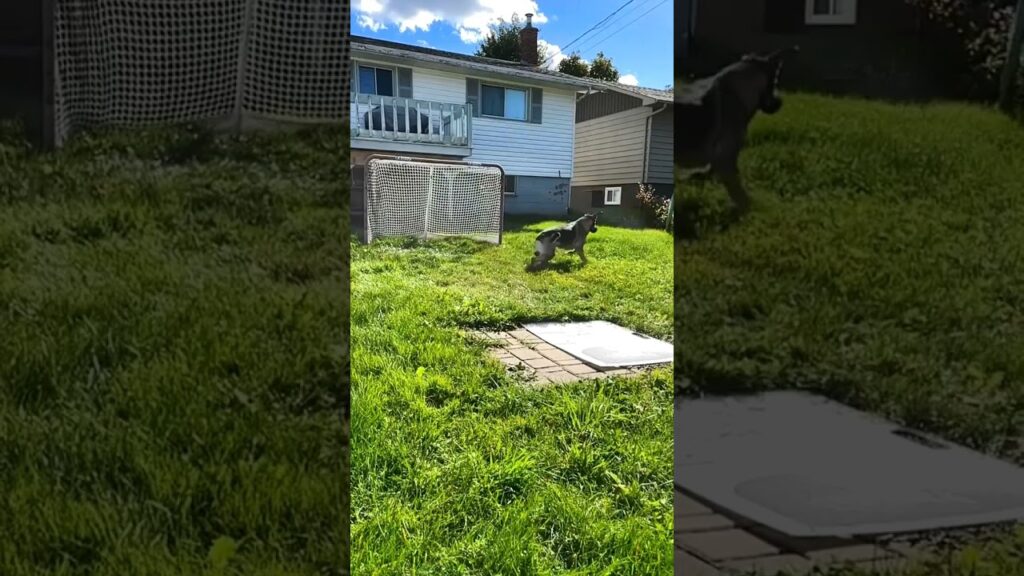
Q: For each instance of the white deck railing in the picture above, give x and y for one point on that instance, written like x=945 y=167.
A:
x=408 y=120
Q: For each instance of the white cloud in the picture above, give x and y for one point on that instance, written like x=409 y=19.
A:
x=368 y=22
x=629 y=80
x=470 y=18
x=554 y=54
x=424 y=43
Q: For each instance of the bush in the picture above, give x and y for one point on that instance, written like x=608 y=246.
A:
x=654 y=205
x=982 y=28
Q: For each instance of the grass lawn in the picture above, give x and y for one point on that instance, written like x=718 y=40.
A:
x=882 y=266
x=460 y=469
x=173 y=356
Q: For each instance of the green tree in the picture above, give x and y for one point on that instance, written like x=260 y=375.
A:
x=601 y=68
x=574 y=65
x=502 y=42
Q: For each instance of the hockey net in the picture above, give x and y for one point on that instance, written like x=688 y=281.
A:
x=135 y=62
x=406 y=197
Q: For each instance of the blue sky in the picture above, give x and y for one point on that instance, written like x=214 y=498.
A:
x=638 y=38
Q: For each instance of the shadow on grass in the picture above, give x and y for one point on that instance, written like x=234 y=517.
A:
x=522 y=223
x=565 y=265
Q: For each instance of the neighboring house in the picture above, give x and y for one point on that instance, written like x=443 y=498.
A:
x=876 y=48
x=623 y=139
x=440 y=104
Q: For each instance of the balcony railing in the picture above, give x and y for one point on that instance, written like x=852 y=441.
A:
x=408 y=120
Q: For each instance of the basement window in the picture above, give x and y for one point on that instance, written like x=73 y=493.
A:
x=510 y=185
x=613 y=196
x=831 y=12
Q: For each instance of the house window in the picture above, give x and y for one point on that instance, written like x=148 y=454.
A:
x=510 y=185
x=613 y=196
x=376 y=81
x=501 y=102
x=831 y=11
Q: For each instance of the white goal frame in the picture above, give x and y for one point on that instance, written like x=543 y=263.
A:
x=369 y=185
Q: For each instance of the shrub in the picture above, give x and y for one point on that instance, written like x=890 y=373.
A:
x=982 y=29
x=654 y=205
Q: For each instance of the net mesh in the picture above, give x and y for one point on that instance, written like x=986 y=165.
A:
x=428 y=200
x=134 y=62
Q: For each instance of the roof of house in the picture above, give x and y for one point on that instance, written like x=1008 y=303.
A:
x=654 y=94
x=385 y=47
x=443 y=57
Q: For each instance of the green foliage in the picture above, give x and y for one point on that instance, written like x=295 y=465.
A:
x=502 y=42
x=574 y=65
x=654 y=205
x=173 y=354
x=458 y=468
x=601 y=68
x=981 y=30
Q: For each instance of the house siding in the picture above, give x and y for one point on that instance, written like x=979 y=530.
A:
x=611 y=148
x=539 y=196
x=660 y=166
x=603 y=104
x=883 y=55
x=520 y=148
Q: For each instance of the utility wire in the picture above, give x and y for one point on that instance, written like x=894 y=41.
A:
x=627 y=25
x=574 y=40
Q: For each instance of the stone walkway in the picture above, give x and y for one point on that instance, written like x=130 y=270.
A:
x=710 y=543
x=542 y=363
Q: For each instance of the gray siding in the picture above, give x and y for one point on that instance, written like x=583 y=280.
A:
x=891 y=52
x=660 y=151
x=540 y=196
x=611 y=148
x=604 y=104
x=23 y=55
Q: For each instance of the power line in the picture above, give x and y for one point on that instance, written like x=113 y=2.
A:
x=630 y=23
x=605 y=19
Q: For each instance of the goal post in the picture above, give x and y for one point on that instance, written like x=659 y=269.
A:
x=430 y=198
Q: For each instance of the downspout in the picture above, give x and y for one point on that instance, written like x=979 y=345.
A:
x=647 y=139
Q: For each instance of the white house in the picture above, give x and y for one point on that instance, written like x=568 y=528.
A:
x=417 y=101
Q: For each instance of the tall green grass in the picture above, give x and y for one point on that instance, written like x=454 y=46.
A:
x=882 y=265
x=458 y=468
x=173 y=355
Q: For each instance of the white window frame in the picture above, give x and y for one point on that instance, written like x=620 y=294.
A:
x=617 y=190
x=830 y=19
x=394 y=78
x=526 y=110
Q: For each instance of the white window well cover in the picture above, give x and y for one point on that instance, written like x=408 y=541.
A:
x=603 y=344
x=808 y=467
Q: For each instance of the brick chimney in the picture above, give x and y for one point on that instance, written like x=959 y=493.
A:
x=528 y=42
